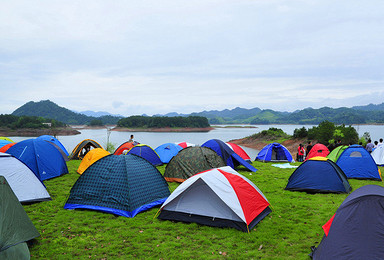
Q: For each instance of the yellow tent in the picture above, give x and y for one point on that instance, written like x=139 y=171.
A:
x=6 y=138
x=91 y=157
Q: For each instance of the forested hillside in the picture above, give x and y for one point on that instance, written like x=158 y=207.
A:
x=161 y=122
x=48 y=109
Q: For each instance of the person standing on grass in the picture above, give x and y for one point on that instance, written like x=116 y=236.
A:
x=369 y=146
x=300 y=153
x=309 y=147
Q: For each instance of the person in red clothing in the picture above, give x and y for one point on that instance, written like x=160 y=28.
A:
x=300 y=153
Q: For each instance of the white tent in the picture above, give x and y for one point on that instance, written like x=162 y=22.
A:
x=378 y=155
x=23 y=182
x=219 y=197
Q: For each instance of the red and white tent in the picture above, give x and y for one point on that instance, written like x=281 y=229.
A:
x=239 y=151
x=219 y=197
x=185 y=144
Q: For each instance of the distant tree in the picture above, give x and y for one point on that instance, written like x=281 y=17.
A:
x=160 y=122
x=300 y=132
x=96 y=122
x=326 y=133
x=366 y=136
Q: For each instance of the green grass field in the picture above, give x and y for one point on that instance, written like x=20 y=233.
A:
x=287 y=233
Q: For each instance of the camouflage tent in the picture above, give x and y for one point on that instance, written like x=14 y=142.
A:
x=192 y=160
x=15 y=226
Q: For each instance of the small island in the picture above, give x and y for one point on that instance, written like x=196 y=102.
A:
x=163 y=124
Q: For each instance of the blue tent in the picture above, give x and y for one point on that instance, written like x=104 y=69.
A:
x=318 y=174
x=4 y=142
x=274 y=152
x=230 y=157
x=119 y=184
x=52 y=139
x=41 y=157
x=167 y=151
x=357 y=163
x=147 y=153
x=57 y=144
x=356 y=230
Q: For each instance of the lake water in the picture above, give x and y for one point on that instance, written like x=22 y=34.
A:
x=156 y=139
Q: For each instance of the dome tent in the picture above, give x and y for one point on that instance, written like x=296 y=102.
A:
x=356 y=230
x=378 y=155
x=317 y=150
x=357 y=163
x=167 y=151
x=4 y=142
x=121 y=185
x=123 y=148
x=41 y=157
x=57 y=144
x=191 y=160
x=24 y=183
x=219 y=197
x=335 y=153
x=184 y=144
x=16 y=228
x=318 y=175
x=91 y=157
x=5 y=148
x=274 y=152
x=146 y=152
x=82 y=148
x=230 y=157
x=240 y=151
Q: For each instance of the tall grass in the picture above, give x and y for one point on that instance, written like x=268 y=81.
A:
x=287 y=233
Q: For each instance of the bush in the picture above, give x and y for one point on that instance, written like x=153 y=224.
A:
x=300 y=132
x=326 y=133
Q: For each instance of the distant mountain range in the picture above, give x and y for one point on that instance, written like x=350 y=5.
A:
x=97 y=114
x=368 y=114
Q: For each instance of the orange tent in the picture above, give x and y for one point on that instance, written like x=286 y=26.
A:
x=91 y=157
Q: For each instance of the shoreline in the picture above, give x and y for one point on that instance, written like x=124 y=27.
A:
x=30 y=132
x=163 y=130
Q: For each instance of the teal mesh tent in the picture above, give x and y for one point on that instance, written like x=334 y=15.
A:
x=121 y=185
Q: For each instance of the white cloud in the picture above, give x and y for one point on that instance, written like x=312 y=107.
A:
x=162 y=56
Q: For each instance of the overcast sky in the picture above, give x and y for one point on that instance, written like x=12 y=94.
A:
x=150 y=56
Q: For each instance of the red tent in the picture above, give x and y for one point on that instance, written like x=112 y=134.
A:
x=125 y=147
x=219 y=197
x=318 y=150
x=239 y=151
x=185 y=144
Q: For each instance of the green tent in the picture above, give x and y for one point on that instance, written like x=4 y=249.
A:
x=335 y=154
x=15 y=226
x=192 y=160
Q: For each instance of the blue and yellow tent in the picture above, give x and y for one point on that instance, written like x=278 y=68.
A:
x=318 y=175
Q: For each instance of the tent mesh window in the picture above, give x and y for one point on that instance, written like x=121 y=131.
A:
x=355 y=154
